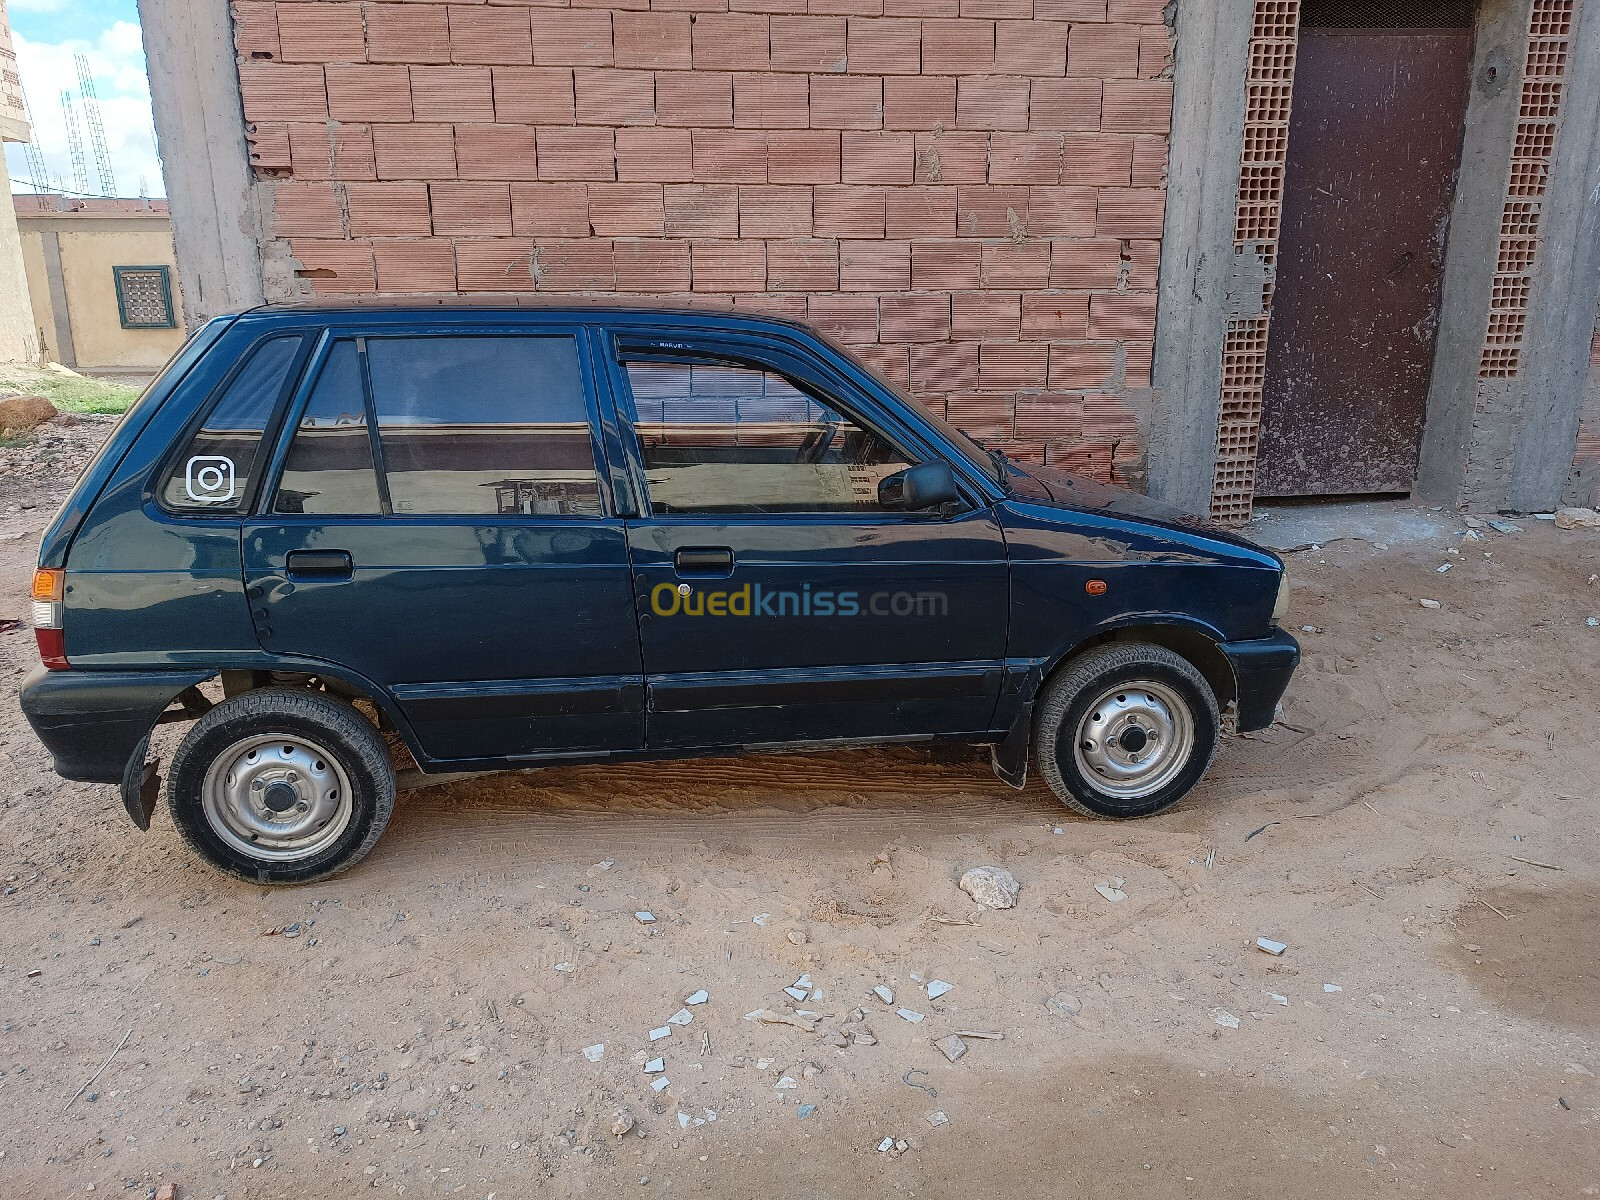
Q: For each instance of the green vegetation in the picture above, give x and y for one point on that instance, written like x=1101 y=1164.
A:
x=70 y=393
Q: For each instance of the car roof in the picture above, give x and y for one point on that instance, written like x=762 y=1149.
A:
x=547 y=308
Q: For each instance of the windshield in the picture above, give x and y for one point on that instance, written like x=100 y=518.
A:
x=972 y=450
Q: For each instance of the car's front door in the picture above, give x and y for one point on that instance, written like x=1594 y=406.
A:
x=441 y=526
x=779 y=601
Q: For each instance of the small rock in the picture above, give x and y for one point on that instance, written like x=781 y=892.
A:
x=1224 y=1018
x=886 y=1145
x=805 y=1110
x=835 y=1039
x=761 y=918
x=809 y=1070
x=863 y=1037
x=1332 y=987
x=1112 y=891
x=564 y=967
x=595 y=1052
x=1593 y=622
x=1064 y=1004
x=1577 y=518
x=1504 y=526
x=1428 y=603
x=1472 y=522
x=19 y=414
x=682 y=1017
x=1277 y=999
x=167 y=1191
x=796 y=937
x=992 y=887
x=951 y=1047
x=787 y=1084
x=937 y=1119
x=623 y=1124
x=472 y=1054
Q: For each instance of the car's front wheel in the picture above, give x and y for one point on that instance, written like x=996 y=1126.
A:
x=281 y=786
x=1125 y=730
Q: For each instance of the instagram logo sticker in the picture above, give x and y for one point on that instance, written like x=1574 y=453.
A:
x=208 y=479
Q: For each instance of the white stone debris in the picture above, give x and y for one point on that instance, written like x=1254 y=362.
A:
x=1332 y=987
x=1278 y=999
x=937 y=1119
x=699 y=997
x=787 y=1084
x=595 y=1052
x=992 y=887
x=886 y=1145
x=951 y=1047
x=906 y=1014
x=564 y=967
x=797 y=993
x=682 y=1017
x=937 y=988
x=1112 y=891
x=1428 y=603
x=659 y=1085
x=761 y=918
x=884 y=994
x=645 y=917
x=1224 y=1018
x=655 y=1066
x=657 y=1034
x=1270 y=946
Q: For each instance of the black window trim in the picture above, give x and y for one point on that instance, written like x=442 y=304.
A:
x=634 y=345
x=269 y=433
x=363 y=333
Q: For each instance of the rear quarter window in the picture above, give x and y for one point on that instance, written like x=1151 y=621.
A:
x=217 y=469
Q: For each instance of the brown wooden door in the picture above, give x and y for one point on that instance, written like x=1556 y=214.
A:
x=1374 y=150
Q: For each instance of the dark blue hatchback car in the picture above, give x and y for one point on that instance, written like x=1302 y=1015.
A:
x=508 y=536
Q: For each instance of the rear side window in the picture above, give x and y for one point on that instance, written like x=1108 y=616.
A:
x=215 y=472
x=330 y=466
x=733 y=439
x=484 y=425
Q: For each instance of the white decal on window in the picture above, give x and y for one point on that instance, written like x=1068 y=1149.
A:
x=208 y=479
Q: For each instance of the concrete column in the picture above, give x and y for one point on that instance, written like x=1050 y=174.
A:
x=194 y=91
x=18 y=342
x=1566 y=288
x=1197 y=255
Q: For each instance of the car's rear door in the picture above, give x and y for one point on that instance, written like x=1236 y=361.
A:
x=440 y=523
x=779 y=601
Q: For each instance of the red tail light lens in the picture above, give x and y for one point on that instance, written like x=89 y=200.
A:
x=49 y=587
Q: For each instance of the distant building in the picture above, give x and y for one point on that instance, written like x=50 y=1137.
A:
x=1217 y=249
x=102 y=279
x=17 y=343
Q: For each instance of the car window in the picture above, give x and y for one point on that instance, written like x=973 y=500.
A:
x=484 y=425
x=215 y=471
x=732 y=439
x=329 y=468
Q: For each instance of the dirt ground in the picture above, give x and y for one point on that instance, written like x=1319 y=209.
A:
x=418 y=1025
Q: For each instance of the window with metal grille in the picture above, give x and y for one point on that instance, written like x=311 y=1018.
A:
x=1386 y=14
x=144 y=297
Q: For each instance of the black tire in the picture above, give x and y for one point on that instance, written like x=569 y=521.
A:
x=1095 y=678
x=354 y=784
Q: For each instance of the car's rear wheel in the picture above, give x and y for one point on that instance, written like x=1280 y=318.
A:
x=1125 y=730
x=281 y=786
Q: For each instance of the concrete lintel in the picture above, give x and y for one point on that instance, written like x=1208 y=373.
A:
x=60 y=313
x=194 y=92
x=1199 y=276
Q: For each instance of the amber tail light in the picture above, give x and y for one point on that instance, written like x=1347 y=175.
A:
x=48 y=589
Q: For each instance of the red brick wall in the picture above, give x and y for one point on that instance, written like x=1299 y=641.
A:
x=969 y=192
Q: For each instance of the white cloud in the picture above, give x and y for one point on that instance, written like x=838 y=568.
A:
x=116 y=60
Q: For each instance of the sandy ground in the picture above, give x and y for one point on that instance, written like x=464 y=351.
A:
x=422 y=1031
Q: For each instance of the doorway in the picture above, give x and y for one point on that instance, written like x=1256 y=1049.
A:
x=1375 y=133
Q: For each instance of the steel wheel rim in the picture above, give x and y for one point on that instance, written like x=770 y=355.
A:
x=277 y=797
x=1134 y=739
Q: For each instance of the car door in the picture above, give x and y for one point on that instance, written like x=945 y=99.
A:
x=441 y=525
x=778 y=600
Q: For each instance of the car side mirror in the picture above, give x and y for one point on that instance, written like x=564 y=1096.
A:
x=919 y=488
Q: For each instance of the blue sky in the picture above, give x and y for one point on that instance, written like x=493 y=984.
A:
x=46 y=34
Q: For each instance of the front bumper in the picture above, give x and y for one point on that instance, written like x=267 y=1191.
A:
x=1261 y=670
x=92 y=722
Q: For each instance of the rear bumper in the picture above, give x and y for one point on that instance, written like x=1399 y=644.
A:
x=1261 y=669
x=92 y=722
